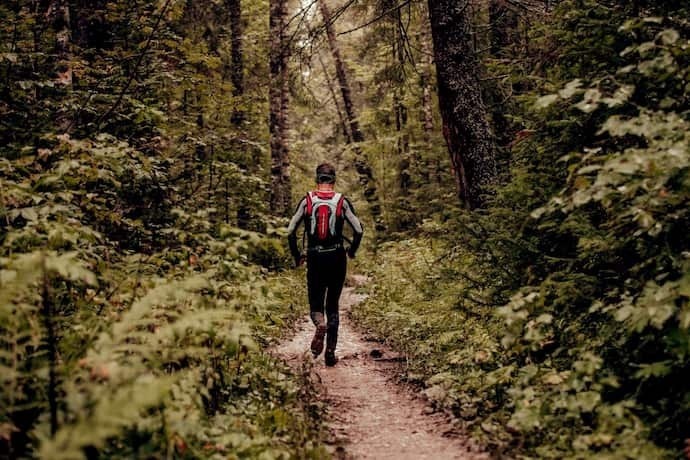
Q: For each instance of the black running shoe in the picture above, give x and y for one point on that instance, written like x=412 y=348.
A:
x=317 y=341
x=330 y=358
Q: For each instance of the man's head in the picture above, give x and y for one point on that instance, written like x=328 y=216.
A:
x=325 y=174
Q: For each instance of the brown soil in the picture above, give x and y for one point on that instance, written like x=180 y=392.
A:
x=370 y=415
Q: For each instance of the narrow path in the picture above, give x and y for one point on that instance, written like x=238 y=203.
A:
x=370 y=416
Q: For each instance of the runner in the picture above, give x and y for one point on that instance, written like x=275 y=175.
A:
x=324 y=213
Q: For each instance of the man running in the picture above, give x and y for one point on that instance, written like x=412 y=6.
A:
x=324 y=213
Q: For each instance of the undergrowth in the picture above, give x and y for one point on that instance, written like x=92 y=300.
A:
x=452 y=347
x=556 y=322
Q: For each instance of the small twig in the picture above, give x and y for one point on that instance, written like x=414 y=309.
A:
x=378 y=18
x=497 y=77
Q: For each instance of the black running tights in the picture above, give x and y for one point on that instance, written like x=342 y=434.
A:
x=325 y=279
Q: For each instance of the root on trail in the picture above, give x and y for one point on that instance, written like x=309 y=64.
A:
x=369 y=415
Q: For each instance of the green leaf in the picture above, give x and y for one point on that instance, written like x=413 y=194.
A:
x=658 y=369
x=546 y=101
x=668 y=36
x=571 y=89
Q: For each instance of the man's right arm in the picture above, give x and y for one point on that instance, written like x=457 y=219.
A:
x=292 y=229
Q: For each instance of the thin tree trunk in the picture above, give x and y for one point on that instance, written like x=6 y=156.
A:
x=426 y=76
x=60 y=13
x=59 y=16
x=341 y=73
x=343 y=123
x=465 y=125
x=238 y=116
x=427 y=114
x=403 y=143
x=366 y=176
x=279 y=99
x=237 y=59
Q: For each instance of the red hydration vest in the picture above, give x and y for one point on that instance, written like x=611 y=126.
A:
x=324 y=210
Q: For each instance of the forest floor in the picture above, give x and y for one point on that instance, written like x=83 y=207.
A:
x=370 y=414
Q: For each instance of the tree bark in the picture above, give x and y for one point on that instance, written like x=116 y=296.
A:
x=465 y=125
x=279 y=100
x=237 y=60
x=366 y=175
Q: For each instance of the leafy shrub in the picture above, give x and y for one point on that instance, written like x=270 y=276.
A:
x=584 y=251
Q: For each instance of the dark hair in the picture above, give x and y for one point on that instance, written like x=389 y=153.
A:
x=325 y=174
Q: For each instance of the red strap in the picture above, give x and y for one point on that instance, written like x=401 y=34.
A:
x=310 y=204
x=339 y=208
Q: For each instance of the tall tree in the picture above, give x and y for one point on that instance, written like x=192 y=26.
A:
x=465 y=124
x=366 y=175
x=425 y=81
x=238 y=116
x=237 y=59
x=429 y=168
x=59 y=14
x=279 y=101
x=398 y=38
x=343 y=123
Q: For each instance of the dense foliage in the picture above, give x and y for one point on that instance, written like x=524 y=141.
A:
x=135 y=299
x=584 y=249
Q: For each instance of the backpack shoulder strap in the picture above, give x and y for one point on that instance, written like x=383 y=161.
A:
x=339 y=206
x=310 y=204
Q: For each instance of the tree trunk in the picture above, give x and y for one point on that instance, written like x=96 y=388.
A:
x=430 y=167
x=465 y=125
x=400 y=109
x=238 y=115
x=426 y=76
x=237 y=59
x=59 y=16
x=279 y=98
x=366 y=176
x=343 y=123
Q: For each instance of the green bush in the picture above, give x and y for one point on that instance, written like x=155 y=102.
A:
x=555 y=322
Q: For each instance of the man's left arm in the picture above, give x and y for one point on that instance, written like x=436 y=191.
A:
x=351 y=218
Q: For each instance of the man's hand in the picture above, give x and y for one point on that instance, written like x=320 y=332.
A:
x=350 y=253
x=300 y=261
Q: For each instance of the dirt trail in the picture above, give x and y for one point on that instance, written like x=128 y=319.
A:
x=370 y=416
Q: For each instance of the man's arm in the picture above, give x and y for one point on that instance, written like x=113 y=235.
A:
x=292 y=229
x=351 y=218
